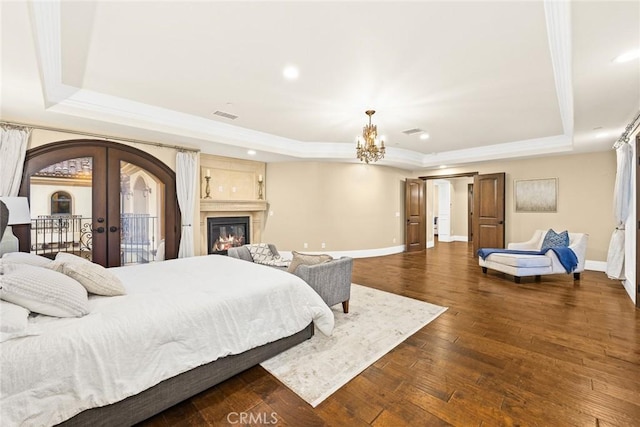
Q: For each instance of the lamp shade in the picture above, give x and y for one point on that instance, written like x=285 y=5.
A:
x=18 y=210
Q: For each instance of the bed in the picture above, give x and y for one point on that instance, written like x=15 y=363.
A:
x=183 y=326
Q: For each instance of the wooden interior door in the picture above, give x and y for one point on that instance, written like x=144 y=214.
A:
x=415 y=214
x=470 y=212
x=489 y=214
x=104 y=223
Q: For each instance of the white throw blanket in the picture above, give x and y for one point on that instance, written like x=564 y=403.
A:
x=177 y=315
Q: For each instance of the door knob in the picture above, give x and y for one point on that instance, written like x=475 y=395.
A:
x=100 y=230
x=113 y=229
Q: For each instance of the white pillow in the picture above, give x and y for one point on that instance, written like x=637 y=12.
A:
x=44 y=291
x=94 y=277
x=13 y=318
x=67 y=257
x=14 y=321
x=26 y=258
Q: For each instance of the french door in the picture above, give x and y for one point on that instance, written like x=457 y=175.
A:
x=107 y=202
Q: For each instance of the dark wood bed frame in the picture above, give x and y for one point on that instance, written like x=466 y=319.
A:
x=176 y=389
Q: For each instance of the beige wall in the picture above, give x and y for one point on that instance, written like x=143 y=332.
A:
x=432 y=210
x=346 y=206
x=585 y=196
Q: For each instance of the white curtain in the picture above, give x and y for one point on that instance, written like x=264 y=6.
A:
x=13 y=148
x=186 y=191
x=622 y=201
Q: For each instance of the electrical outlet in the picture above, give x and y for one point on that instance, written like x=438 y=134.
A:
x=270 y=213
x=323 y=245
x=220 y=189
x=305 y=245
x=397 y=214
x=394 y=240
x=233 y=189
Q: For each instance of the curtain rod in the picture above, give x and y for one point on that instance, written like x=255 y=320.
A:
x=624 y=138
x=107 y=137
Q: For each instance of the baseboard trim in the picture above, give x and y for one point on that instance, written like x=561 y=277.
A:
x=460 y=238
x=595 y=265
x=364 y=253
x=368 y=253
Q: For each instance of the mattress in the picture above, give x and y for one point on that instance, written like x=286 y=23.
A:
x=177 y=315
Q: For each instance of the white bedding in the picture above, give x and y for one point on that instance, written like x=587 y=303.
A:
x=176 y=315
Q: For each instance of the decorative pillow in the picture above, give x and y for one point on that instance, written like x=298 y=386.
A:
x=94 y=277
x=26 y=258
x=13 y=318
x=67 y=257
x=307 y=259
x=44 y=291
x=261 y=254
x=555 y=240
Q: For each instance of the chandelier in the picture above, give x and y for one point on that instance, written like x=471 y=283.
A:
x=367 y=149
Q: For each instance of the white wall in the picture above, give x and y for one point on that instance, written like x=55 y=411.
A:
x=41 y=199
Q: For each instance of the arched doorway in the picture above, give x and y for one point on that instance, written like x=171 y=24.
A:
x=104 y=230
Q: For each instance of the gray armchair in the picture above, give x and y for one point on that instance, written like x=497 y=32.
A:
x=331 y=279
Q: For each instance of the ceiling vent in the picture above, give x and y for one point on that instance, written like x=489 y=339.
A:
x=412 y=131
x=225 y=115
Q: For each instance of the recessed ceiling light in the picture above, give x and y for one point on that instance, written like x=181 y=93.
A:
x=251 y=152
x=602 y=135
x=424 y=136
x=291 y=72
x=628 y=56
x=443 y=166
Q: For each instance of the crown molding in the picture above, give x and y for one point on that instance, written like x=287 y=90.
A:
x=558 y=19
x=78 y=102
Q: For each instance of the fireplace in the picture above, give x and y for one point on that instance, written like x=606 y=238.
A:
x=227 y=232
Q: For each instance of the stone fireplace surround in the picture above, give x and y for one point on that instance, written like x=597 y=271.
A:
x=254 y=209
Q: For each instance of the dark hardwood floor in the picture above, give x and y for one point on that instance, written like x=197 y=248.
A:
x=552 y=353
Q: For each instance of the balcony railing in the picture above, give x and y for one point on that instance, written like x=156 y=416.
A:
x=51 y=234
x=138 y=238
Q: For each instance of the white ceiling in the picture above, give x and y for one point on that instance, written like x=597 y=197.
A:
x=486 y=80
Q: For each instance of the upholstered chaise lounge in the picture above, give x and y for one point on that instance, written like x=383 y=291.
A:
x=521 y=265
x=331 y=279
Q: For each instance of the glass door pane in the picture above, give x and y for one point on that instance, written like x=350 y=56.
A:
x=142 y=230
x=61 y=208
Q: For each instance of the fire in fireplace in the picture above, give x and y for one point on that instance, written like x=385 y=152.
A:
x=227 y=232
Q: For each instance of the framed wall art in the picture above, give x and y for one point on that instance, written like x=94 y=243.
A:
x=536 y=195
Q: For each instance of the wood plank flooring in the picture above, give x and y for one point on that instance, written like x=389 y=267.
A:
x=552 y=352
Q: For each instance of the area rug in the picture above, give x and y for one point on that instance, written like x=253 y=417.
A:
x=376 y=323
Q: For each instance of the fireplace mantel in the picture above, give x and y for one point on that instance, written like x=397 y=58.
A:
x=209 y=205
x=254 y=209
